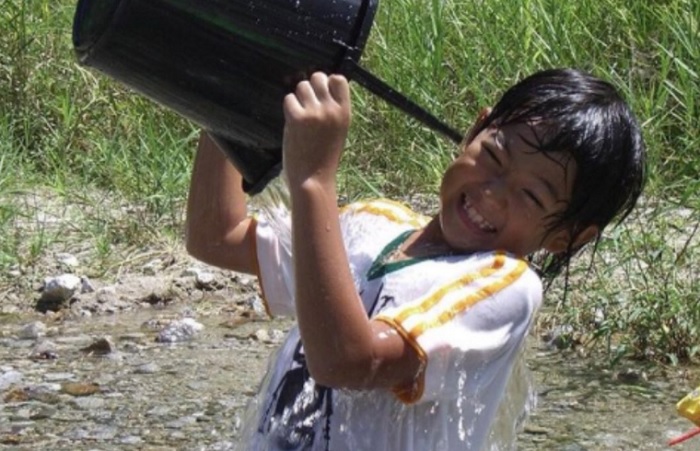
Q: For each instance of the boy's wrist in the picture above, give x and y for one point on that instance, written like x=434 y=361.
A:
x=318 y=182
x=312 y=187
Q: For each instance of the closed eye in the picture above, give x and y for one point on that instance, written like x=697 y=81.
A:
x=534 y=198
x=492 y=154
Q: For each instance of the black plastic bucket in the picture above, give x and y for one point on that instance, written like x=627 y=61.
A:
x=227 y=64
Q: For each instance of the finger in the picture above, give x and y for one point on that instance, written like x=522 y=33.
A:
x=339 y=88
x=291 y=105
x=319 y=83
x=305 y=94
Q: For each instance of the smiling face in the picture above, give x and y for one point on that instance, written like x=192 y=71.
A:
x=501 y=193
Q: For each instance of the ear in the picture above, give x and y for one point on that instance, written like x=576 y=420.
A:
x=473 y=130
x=561 y=240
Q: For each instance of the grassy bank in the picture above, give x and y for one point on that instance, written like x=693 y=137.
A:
x=74 y=134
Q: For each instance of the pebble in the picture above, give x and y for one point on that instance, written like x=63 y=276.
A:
x=67 y=259
x=32 y=330
x=60 y=288
x=57 y=377
x=90 y=403
x=9 y=378
x=102 y=346
x=147 y=368
x=179 y=331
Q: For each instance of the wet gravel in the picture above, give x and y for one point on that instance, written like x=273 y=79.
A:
x=106 y=382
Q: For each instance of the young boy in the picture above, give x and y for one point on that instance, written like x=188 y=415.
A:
x=408 y=326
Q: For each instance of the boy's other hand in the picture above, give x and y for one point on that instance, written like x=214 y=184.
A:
x=317 y=118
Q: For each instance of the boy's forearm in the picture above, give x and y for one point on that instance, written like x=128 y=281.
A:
x=217 y=222
x=334 y=327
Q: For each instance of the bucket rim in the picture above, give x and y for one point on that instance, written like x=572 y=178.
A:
x=359 y=39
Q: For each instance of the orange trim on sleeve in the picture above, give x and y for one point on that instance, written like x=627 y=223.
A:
x=254 y=226
x=411 y=392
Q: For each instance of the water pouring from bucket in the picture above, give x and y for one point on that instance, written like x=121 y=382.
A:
x=226 y=65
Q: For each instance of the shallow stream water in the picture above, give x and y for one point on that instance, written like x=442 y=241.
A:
x=153 y=396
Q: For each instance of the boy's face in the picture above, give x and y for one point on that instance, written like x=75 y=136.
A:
x=501 y=193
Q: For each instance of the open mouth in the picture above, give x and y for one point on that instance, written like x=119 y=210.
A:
x=475 y=217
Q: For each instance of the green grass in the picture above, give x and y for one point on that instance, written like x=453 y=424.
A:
x=121 y=164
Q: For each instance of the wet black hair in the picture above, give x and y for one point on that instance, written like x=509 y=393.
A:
x=575 y=112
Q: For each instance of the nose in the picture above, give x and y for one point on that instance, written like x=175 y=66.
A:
x=494 y=194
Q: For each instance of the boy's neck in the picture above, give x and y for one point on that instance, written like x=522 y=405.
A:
x=426 y=242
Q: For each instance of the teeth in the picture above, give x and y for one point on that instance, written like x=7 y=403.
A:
x=475 y=217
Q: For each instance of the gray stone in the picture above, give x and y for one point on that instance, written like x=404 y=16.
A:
x=147 y=368
x=32 y=331
x=60 y=288
x=180 y=330
x=88 y=402
x=57 y=377
x=9 y=378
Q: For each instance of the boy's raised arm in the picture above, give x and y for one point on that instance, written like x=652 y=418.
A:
x=343 y=347
x=218 y=230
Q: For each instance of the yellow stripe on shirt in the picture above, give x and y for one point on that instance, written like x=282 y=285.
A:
x=389 y=209
x=470 y=300
x=435 y=297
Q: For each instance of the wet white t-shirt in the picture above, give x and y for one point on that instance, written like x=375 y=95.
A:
x=466 y=317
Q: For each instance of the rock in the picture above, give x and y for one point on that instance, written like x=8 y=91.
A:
x=60 y=288
x=131 y=440
x=256 y=303
x=560 y=337
x=45 y=393
x=106 y=294
x=86 y=285
x=16 y=395
x=79 y=388
x=181 y=422
x=67 y=260
x=151 y=268
x=102 y=346
x=92 y=403
x=10 y=378
x=42 y=412
x=46 y=350
x=32 y=331
x=190 y=272
x=147 y=368
x=277 y=336
x=537 y=430
x=205 y=281
x=10 y=309
x=630 y=376
x=58 y=377
x=262 y=335
x=179 y=330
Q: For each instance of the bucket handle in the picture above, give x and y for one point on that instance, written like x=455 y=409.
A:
x=377 y=87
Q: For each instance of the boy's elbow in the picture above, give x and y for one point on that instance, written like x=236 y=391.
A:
x=195 y=245
x=194 y=249
x=200 y=246
x=221 y=253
